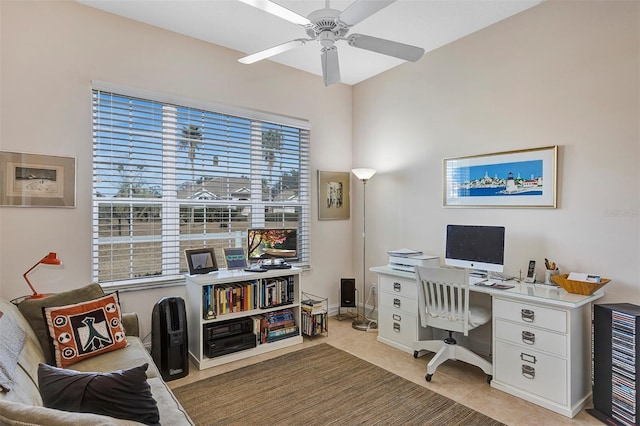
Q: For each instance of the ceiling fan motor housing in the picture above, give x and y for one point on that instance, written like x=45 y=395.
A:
x=326 y=25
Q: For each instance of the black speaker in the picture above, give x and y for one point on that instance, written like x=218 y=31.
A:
x=169 y=343
x=348 y=292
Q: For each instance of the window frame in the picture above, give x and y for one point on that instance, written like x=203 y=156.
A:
x=171 y=274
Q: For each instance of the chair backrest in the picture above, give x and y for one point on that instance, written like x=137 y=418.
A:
x=443 y=298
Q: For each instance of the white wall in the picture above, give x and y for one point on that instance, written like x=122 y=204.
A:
x=52 y=50
x=562 y=73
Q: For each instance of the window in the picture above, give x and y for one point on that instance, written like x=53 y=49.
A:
x=170 y=176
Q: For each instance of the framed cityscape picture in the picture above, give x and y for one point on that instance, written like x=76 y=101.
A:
x=524 y=178
x=333 y=195
x=34 y=180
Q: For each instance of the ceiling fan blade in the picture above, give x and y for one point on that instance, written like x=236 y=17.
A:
x=361 y=10
x=279 y=11
x=330 y=65
x=386 y=47
x=272 y=51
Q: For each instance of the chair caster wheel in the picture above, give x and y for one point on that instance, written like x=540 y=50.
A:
x=489 y=378
x=428 y=377
x=415 y=354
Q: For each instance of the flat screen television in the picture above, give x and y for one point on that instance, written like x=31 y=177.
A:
x=265 y=243
x=475 y=247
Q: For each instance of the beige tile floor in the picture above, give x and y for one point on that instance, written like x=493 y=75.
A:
x=453 y=379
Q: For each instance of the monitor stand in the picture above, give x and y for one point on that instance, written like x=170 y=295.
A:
x=478 y=273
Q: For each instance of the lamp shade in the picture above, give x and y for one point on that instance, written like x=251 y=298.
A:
x=364 y=174
x=50 y=259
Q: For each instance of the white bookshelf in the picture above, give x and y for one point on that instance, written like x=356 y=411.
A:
x=197 y=318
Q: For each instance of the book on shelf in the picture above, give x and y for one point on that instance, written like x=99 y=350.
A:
x=314 y=324
x=228 y=298
x=276 y=291
x=283 y=334
x=271 y=326
x=312 y=304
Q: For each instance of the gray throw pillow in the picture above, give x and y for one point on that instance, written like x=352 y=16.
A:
x=122 y=394
x=31 y=309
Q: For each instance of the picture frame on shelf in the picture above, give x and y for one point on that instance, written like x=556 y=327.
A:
x=523 y=178
x=235 y=258
x=201 y=261
x=333 y=195
x=37 y=180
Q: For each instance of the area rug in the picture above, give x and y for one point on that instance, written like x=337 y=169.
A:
x=319 y=385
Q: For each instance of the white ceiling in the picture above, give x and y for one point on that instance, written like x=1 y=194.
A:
x=424 y=23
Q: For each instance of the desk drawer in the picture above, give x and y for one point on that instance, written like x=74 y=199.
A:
x=397 y=302
x=399 y=286
x=397 y=326
x=532 y=315
x=531 y=337
x=531 y=371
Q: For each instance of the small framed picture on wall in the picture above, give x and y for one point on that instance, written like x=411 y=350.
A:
x=333 y=195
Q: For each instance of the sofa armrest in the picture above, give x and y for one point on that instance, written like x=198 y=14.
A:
x=13 y=413
x=131 y=324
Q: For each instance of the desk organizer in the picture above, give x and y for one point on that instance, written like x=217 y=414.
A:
x=579 y=287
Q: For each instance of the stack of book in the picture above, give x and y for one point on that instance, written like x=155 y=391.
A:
x=277 y=325
x=228 y=298
x=314 y=317
x=406 y=259
x=276 y=291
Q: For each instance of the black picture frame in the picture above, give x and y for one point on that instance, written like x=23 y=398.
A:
x=201 y=261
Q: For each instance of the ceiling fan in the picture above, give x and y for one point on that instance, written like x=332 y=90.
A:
x=328 y=26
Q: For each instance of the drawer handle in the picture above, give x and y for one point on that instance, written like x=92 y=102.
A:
x=527 y=358
x=527 y=315
x=397 y=286
x=396 y=303
x=396 y=327
x=397 y=317
x=529 y=372
x=528 y=337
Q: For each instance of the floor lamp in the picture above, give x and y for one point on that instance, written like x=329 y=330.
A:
x=362 y=323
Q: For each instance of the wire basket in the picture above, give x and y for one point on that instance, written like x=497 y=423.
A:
x=579 y=287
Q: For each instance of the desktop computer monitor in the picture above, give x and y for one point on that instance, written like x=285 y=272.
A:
x=475 y=247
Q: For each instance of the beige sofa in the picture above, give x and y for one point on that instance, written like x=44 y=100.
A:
x=22 y=405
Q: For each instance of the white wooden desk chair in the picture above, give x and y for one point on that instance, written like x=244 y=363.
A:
x=443 y=300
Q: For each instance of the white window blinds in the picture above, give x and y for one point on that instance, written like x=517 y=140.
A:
x=169 y=177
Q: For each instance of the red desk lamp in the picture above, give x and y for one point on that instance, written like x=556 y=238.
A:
x=50 y=259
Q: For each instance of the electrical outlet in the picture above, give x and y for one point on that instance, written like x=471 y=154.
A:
x=374 y=288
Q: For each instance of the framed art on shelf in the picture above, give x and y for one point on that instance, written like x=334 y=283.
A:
x=201 y=261
x=34 y=180
x=524 y=178
x=333 y=195
x=235 y=258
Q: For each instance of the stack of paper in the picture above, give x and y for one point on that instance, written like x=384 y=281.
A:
x=579 y=276
x=404 y=252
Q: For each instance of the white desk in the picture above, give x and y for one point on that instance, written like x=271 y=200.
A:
x=540 y=341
